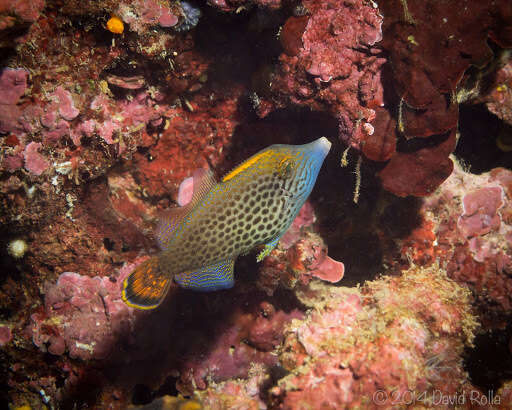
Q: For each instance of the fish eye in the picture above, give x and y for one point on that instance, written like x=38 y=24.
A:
x=285 y=168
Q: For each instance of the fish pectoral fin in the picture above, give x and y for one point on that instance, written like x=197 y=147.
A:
x=212 y=277
x=269 y=247
x=146 y=287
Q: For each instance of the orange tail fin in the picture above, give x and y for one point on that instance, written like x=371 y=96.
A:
x=146 y=287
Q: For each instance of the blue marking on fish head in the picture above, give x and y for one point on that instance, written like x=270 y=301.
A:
x=301 y=165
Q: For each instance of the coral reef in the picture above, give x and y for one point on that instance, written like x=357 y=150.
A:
x=300 y=256
x=468 y=220
x=465 y=226
x=83 y=316
x=429 y=82
x=499 y=100
x=108 y=107
x=329 y=63
x=356 y=347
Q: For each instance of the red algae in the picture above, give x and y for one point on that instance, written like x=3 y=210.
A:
x=98 y=132
x=468 y=228
x=300 y=257
x=5 y=335
x=13 y=83
x=35 y=162
x=420 y=172
x=324 y=68
x=431 y=45
x=355 y=343
x=82 y=315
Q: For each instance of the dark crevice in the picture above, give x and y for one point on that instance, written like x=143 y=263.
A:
x=248 y=42
x=478 y=145
x=141 y=394
x=489 y=363
x=168 y=387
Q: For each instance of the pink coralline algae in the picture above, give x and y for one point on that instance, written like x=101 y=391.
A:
x=25 y=10
x=383 y=337
x=51 y=118
x=167 y=19
x=5 y=335
x=82 y=315
x=64 y=101
x=35 y=162
x=57 y=114
x=480 y=211
x=251 y=336
x=470 y=220
x=13 y=83
x=123 y=116
x=142 y=14
x=12 y=163
x=301 y=255
x=329 y=64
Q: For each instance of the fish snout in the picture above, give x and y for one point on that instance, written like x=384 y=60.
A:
x=323 y=145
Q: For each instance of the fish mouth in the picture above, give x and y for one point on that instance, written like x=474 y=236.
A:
x=323 y=145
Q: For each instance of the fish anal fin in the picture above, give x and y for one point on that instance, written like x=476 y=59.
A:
x=146 y=287
x=209 y=278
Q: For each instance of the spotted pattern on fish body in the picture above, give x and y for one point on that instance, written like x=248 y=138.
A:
x=252 y=205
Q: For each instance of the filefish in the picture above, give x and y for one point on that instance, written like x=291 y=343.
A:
x=253 y=205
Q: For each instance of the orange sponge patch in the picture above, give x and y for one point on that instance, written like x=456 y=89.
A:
x=115 y=25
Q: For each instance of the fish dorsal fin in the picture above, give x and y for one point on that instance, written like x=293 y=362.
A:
x=171 y=219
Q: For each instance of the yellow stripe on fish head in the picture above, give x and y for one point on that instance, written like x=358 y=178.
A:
x=267 y=160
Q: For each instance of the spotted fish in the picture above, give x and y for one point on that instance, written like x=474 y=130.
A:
x=253 y=205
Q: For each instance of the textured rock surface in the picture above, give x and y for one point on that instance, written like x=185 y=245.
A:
x=407 y=332
x=98 y=129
